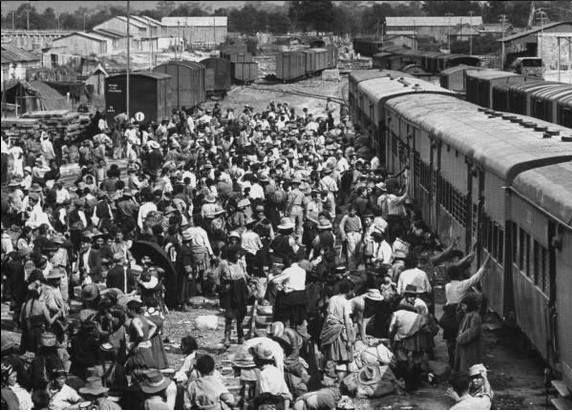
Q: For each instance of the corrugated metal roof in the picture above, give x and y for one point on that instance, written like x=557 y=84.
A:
x=13 y=54
x=132 y=22
x=433 y=21
x=532 y=31
x=115 y=34
x=195 y=21
x=550 y=187
x=490 y=74
x=90 y=36
x=146 y=20
x=153 y=75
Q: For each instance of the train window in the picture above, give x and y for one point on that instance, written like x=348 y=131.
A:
x=536 y=275
x=521 y=251
x=514 y=243
x=500 y=254
x=527 y=258
x=545 y=271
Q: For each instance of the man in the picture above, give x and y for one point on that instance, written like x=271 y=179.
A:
x=291 y=298
x=207 y=391
x=460 y=392
x=295 y=205
x=351 y=231
x=61 y=395
x=119 y=276
x=251 y=243
x=412 y=275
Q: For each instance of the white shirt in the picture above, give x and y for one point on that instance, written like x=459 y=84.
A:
x=64 y=398
x=38 y=217
x=415 y=277
x=382 y=252
x=250 y=241
x=275 y=346
x=271 y=380
x=256 y=191
x=294 y=278
x=456 y=290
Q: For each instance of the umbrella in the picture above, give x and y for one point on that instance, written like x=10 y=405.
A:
x=159 y=258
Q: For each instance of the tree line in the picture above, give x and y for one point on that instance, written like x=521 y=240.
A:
x=340 y=17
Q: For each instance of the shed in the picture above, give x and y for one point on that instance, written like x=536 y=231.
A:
x=97 y=80
x=34 y=96
x=187 y=83
x=148 y=95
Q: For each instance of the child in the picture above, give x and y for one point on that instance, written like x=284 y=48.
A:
x=189 y=348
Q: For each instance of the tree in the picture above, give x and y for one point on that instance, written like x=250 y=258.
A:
x=49 y=19
x=457 y=8
x=164 y=8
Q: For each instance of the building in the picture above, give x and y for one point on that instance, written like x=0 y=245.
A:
x=525 y=44
x=31 y=39
x=144 y=32
x=83 y=44
x=205 y=32
x=16 y=62
x=438 y=27
x=97 y=80
x=496 y=30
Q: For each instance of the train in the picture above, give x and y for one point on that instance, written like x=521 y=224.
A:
x=511 y=92
x=297 y=65
x=495 y=179
x=420 y=62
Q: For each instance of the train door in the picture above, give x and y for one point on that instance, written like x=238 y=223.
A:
x=435 y=171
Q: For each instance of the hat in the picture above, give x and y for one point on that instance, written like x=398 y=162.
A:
x=54 y=274
x=382 y=186
x=285 y=224
x=28 y=169
x=263 y=177
x=153 y=144
x=259 y=208
x=210 y=198
x=89 y=292
x=187 y=233
x=243 y=359
x=374 y=294
x=36 y=188
x=410 y=289
x=262 y=351
x=14 y=183
x=93 y=386
x=477 y=369
x=234 y=234
x=154 y=382
x=59 y=239
x=243 y=203
x=327 y=170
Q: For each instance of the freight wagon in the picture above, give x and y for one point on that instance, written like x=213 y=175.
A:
x=498 y=180
x=407 y=60
x=217 y=75
x=246 y=72
x=236 y=57
x=291 y=66
x=187 y=83
x=149 y=94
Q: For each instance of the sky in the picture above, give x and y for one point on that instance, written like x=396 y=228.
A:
x=62 y=6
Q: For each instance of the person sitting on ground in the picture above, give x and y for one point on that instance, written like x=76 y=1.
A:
x=460 y=393
x=207 y=391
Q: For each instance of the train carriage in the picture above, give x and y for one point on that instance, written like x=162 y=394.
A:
x=149 y=94
x=217 y=75
x=187 y=83
x=245 y=72
x=480 y=84
x=290 y=66
x=564 y=112
x=542 y=260
x=464 y=160
x=543 y=101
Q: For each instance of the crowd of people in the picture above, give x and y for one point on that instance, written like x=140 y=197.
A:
x=277 y=210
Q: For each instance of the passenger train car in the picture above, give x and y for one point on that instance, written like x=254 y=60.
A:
x=511 y=92
x=501 y=180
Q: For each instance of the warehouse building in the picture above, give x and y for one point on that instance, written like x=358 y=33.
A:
x=16 y=62
x=437 y=27
x=198 y=32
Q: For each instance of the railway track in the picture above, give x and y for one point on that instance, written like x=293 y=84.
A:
x=297 y=92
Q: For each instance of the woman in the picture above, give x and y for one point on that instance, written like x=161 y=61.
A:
x=468 y=349
x=35 y=318
x=155 y=315
x=139 y=332
x=337 y=336
x=14 y=397
x=233 y=294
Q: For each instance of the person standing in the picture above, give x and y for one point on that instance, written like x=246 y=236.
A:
x=468 y=349
x=351 y=231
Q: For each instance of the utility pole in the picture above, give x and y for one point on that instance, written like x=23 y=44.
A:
x=13 y=20
x=27 y=19
x=84 y=21
x=128 y=62
x=449 y=30
x=471 y=34
x=503 y=20
x=542 y=15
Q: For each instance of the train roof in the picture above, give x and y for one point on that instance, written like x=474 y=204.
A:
x=359 y=76
x=460 y=67
x=152 y=75
x=476 y=134
x=188 y=63
x=544 y=89
x=490 y=74
x=550 y=187
x=385 y=86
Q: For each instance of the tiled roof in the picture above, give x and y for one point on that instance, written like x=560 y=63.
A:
x=13 y=54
